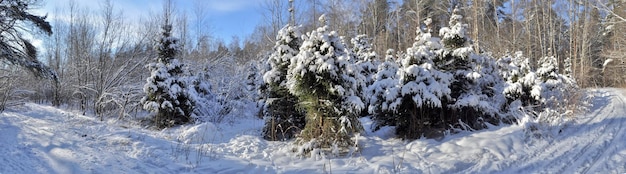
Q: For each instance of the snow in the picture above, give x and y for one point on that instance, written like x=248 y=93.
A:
x=42 y=139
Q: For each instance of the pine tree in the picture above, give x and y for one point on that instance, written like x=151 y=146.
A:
x=282 y=119
x=167 y=87
x=321 y=77
x=14 y=48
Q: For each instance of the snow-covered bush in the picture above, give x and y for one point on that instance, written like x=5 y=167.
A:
x=236 y=94
x=282 y=118
x=541 y=99
x=556 y=90
x=321 y=77
x=167 y=87
x=536 y=90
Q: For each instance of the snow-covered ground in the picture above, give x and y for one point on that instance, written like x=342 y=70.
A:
x=43 y=139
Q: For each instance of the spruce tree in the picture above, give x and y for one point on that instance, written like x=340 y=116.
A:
x=207 y=106
x=321 y=76
x=423 y=91
x=468 y=103
x=366 y=61
x=553 y=85
x=366 y=57
x=282 y=119
x=520 y=79
x=384 y=93
x=167 y=88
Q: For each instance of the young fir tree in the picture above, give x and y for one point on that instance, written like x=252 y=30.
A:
x=282 y=119
x=366 y=60
x=489 y=88
x=457 y=57
x=520 y=81
x=207 y=106
x=321 y=77
x=423 y=90
x=384 y=93
x=167 y=87
x=254 y=80
x=553 y=85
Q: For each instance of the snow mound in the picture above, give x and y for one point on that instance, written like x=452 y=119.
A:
x=198 y=134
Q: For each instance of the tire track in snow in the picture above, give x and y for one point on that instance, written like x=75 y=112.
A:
x=559 y=153
x=610 y=147
x=579 y=146
x=598 y=144
x=590 y=138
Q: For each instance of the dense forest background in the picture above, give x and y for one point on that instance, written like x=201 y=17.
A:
x=100 y=57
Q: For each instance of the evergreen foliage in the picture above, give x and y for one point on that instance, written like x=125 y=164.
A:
x=282 y=118
x=470 y=106
x=441 y=84
x=553 y=86
x=206 y=105
x=167 y=87
x=367 y=62
x=15 y=49
x=384 y=92
x=322 y=77
x=534 y=90
x=423 y=92
x=520 y=80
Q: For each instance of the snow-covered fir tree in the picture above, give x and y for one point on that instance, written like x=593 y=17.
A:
x=207 y=107
x=366 y=57
x=367 y=61
x=167 y=87
x=282 y=118
x=534 y=91
x=254 y=80
x=320 y=76
x=553 y=85
x=468 y=107
x=520 y=79
x=489 y=87
x=423 y=90
x=384 y=92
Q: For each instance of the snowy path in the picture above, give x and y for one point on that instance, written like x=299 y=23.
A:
x=43 y=139
x=593 y=144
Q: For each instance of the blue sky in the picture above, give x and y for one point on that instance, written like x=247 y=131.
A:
x=226 y=18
